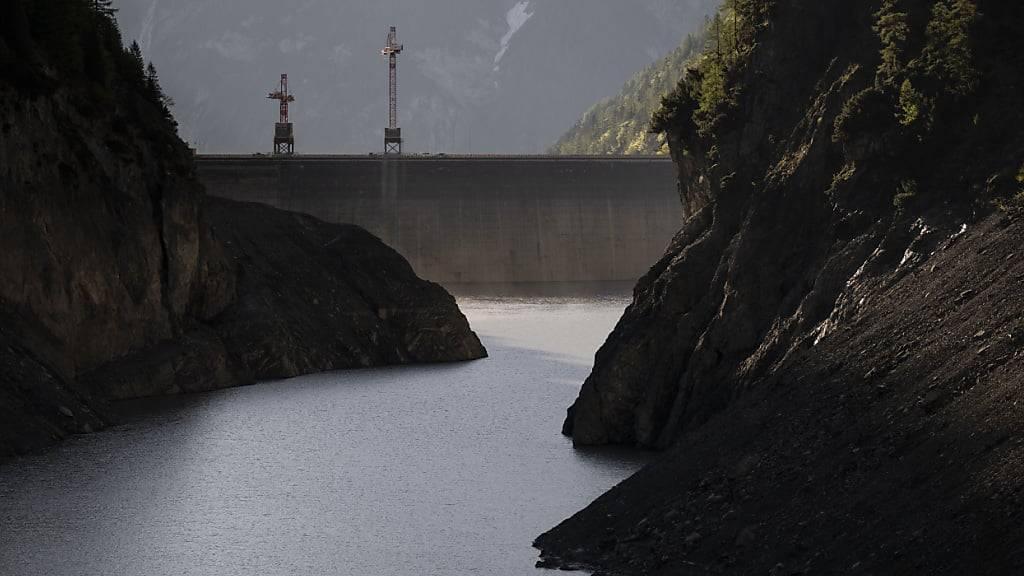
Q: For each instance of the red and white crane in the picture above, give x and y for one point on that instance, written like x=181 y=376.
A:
x=284 y=134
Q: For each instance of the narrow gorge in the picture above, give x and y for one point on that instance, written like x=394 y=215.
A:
x=240 y=363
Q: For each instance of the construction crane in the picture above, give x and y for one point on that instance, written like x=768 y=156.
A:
x=392 y=134
x=284 y=134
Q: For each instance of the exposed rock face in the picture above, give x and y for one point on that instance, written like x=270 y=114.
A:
x=103 y=243
x=103 y=252
x=893 y=446
x=836 y=377
x=308 y=297
x=118 y=280
x=314 y=296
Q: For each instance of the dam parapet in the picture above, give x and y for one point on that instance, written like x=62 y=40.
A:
x=478 y=219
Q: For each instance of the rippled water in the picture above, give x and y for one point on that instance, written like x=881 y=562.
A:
x=449 y=469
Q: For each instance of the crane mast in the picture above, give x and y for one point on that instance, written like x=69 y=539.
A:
x=284 y=133
x=392 y=134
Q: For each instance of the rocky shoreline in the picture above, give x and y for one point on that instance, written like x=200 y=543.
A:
x=892 y=445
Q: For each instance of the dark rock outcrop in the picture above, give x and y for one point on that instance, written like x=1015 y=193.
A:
x=118 y=278
x=307 y=297
x=829 y=349
x=893 y=446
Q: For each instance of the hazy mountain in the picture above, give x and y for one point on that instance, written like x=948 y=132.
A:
x=481 y=75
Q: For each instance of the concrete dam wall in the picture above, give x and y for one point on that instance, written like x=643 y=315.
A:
x=478 y=219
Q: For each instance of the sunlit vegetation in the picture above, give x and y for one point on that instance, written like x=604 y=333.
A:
x=709 y=89
x=621 y=124
x=921 y=72
x=942 y=82
x=905 y=192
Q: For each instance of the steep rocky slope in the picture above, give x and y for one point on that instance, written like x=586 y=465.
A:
x=893 y=446
x=831 y=347
x=113 y=282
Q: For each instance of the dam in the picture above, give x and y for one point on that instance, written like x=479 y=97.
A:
x=478 y=219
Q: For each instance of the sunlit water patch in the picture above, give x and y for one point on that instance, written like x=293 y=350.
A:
x=449 y=469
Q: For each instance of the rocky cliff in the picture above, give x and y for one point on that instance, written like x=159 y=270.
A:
x=117 y=279
x=307 y=297
x=831 y=346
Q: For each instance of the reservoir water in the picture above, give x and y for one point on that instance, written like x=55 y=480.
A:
x=447 y=469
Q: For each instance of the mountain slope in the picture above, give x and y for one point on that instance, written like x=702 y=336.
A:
x=830 y=349
x=622 y=124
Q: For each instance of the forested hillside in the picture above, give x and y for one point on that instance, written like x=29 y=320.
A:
x=621 y=124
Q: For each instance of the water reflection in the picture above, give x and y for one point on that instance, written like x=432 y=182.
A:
x=450 y=469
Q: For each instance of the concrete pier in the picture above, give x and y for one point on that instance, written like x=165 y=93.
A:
x=475 y=219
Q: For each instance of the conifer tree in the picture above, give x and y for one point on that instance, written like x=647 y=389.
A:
x=155 y=92
x=152 y=81
x=892 y=29
x=104 y=7
x=137 y=61
x=716 y=23
x=131 y=67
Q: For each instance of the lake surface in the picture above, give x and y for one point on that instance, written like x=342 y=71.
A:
x=449 y=469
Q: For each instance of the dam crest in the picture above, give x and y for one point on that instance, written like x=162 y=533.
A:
x=478 y=218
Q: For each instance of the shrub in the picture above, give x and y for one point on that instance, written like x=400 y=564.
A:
x=905 y=191
x=1020 y=183
x=912 y=105
x=866 y=112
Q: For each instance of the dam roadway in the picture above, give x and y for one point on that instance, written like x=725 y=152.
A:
x=478 y=219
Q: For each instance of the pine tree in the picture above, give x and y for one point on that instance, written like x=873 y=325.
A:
x=152 y=82
x=104 y=7
x=137 y=61
x=131 y=67
x=155 y=92
x=892 y=29
x=947 y=55
x=717 y=25
x=136 y=53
